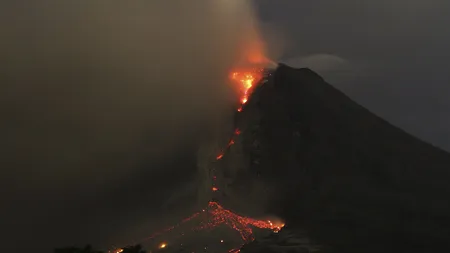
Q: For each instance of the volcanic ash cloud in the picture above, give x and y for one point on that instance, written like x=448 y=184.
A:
x=85 y=82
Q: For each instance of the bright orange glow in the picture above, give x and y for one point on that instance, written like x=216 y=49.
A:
x=237 y=250
x=246 y=80
x=162 y=245
x=276 y=226
x=214 y=189
x=220 y=156
x=215 y=215
x=243 y=225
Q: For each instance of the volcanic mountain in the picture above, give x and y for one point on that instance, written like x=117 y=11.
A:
x=328 y=166
x=333 y=176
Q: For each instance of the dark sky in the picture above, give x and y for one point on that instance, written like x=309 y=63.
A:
x=390 y=56
x=103 y=103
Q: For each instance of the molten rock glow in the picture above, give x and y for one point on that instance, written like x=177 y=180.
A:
x=162 y=245
x=244 y=225
x=215 y=215
x=246 y=80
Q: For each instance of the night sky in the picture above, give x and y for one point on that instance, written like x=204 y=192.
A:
x=104 y=103
x=390 y=56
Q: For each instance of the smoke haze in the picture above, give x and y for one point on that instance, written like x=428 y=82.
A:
x=92 y=88
x=85 y=80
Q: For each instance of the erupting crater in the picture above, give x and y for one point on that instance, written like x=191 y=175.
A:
x=246 y=80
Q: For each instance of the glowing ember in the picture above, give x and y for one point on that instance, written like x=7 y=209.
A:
x=162 y=245
x=234 y=250
x=214 y=189
x=220 y=156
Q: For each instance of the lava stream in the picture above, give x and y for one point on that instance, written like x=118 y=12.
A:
x=246 y=81
x=243 y=225
x=216 y=214
x=230 y=143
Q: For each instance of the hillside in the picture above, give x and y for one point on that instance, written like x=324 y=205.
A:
x=354 y=182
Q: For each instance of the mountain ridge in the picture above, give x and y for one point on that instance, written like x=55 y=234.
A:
x=354 y=181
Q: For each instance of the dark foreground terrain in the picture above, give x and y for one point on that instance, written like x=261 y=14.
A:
x=351 y=180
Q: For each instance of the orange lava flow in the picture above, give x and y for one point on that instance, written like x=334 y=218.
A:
x=243 y=225
x=217 y=215
x=246 y=81
x=231 y=142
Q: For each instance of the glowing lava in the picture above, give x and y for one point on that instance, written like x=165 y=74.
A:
x=215 y=215
x=243 y=225
x=246 y=80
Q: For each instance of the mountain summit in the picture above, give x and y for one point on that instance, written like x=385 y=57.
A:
x=327 y=165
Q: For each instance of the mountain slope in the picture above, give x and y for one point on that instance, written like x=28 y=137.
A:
x=352 y=180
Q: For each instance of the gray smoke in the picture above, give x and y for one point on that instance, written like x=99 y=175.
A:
x=91 y=89
x=85 y=82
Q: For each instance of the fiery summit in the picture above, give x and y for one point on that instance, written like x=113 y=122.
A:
x=246 y=80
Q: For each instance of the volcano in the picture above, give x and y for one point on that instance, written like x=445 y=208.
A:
x=328 y=166
x=341 y=178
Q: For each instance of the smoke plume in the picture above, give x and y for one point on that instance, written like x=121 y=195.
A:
x=87 y=84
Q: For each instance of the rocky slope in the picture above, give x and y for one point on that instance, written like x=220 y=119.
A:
x=354 y=182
